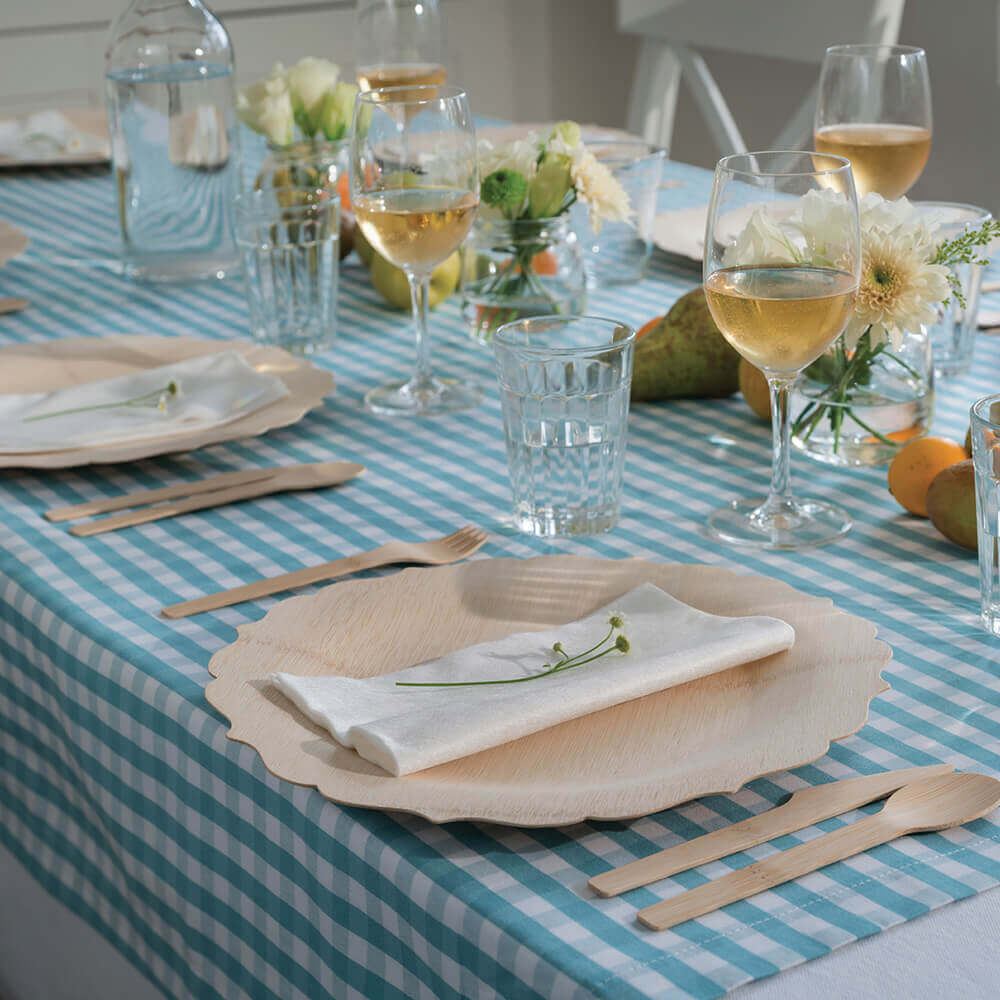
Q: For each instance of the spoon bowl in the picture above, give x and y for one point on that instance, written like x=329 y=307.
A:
x=942 y=802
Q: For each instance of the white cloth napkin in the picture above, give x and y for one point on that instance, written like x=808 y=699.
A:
x=408 y=729
x=212 y=390
x=44 y=134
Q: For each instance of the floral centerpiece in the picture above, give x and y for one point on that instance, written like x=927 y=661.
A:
x=873 y=389
x=304 y=112
x=522 y=258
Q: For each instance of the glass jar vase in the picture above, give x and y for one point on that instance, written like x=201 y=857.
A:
x=313 y=163
x=516 y=269
x=860 y=406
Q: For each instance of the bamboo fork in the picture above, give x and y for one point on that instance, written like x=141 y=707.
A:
x=459 y=545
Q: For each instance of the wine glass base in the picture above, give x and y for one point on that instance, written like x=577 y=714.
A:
x=789 y=524
x=423 y=397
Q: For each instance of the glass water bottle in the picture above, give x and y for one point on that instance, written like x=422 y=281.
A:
x=172 y=119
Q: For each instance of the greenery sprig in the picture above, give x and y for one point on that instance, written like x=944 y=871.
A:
x=963 y=250
x=155 y=399
x=609 y=644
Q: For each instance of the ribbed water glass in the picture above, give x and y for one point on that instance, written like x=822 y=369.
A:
x=564 y=387
x=289 y=241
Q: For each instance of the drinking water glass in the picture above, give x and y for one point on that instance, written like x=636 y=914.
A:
x=985 y=417
x=953 y=336
x=564 y=388
x=289 y=240
x=619 y=254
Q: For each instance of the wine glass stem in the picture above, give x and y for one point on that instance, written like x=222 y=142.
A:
x=419 y=288
x=781 y=491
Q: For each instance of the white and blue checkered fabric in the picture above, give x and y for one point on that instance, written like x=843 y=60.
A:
x=120 y=793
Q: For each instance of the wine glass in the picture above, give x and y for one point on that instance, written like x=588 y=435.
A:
x=781 y=294
x=415 y=193
x=874 y=107
x=398 y=43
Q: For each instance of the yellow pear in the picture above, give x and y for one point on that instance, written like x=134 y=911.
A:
x=391 y=282
x=363 y=248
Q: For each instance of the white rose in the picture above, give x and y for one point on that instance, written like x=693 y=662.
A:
x=309 y=81
x=761 y=241
x=266 y=107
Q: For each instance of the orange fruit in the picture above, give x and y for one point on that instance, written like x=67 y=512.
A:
x=648 y=327
x=914 y=467
x=344 y=190
x=545 y=263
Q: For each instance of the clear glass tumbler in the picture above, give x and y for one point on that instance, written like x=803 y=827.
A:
x=564 y=387
x=619 y=254
x=985 y=416
x=289 y=239
x=953 y=336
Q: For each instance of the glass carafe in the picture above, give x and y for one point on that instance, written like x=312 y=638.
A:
x=172 y=119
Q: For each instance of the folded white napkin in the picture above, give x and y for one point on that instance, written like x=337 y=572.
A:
x=406 y=729
x=211 y=390
x=44 y=134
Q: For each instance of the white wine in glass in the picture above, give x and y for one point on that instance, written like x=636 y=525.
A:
x=780 y=316
x=874 y=109
x=399 y=43
x=416 y=228
x=415 y=194
x=781 y=319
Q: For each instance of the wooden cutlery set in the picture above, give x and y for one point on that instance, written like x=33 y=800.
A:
x=921 y=799
x=230 y=487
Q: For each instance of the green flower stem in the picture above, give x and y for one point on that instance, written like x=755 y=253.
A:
x=620 y=644
x=832 y=402
x=147 y=399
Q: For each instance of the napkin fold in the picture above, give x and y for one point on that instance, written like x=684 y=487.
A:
x=406 y=729
x=214 y=389
x=44 y=134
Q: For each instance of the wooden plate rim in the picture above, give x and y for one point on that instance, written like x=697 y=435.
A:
x=881 y=655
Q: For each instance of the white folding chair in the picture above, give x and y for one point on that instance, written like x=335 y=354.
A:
x=673 y=30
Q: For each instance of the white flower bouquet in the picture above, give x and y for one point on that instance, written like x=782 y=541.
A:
x=528 y=253
x=905 y=277
x=310 y=96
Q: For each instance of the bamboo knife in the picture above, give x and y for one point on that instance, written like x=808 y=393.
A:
x=200 y=496
x=806 y=807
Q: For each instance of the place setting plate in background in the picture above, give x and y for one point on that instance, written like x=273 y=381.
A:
x=58 y=364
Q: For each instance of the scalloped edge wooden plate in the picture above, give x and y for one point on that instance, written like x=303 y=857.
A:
x=54 y=364
x=712 y=735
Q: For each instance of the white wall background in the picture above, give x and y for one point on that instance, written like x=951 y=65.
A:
x=535 y=60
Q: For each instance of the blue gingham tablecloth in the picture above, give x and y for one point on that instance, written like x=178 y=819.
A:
x=122 y=796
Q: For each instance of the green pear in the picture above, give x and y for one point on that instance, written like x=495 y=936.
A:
x=392 y=284
x=951 y=504
x=685 y=355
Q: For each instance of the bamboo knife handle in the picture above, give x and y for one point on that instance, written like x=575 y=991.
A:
x=297 y=578
x=761 y=875
x=806 y=807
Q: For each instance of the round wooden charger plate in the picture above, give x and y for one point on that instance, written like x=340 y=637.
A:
x=711 y=735
x=56 y=364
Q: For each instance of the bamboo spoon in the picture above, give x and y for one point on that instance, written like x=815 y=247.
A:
x=459 y=545
x=932 y=804
x=805 y=807
x=13 y=305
